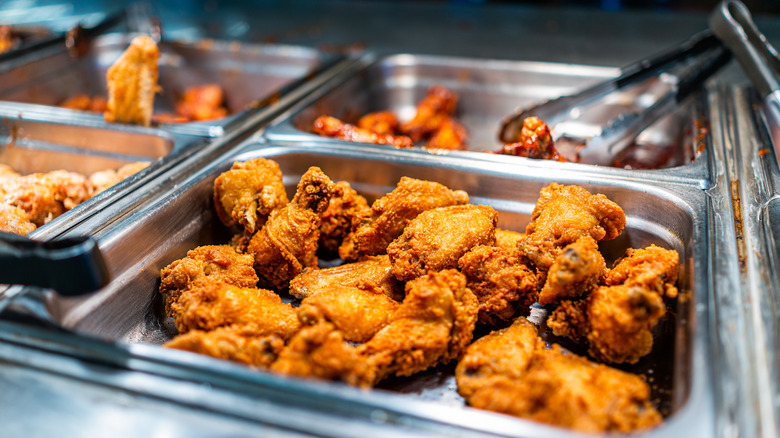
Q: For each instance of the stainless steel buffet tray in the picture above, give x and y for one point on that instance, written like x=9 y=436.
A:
x=129 y=311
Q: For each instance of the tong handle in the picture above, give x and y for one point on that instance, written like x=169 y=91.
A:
x=71 y=266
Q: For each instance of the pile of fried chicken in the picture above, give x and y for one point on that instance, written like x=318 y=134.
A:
x=30 y=201
x=423 y=268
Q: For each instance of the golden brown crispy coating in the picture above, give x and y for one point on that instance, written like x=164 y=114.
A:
x=209 y=305
x=371 y=273
x=433 y=325
x=202 y=102
x=380 y=122
x=511 y=371
x=287 y=243
x=357 y=313
x=450 y=135
x=15 y=220
x=432 y=111
x=45 y=196
x=561 y=216
x=654 y=268
x=332 y=127
x=343 y=215
x=570 y=319
x=503 y=284
x=212 y=263
x=575 y=272
x=231 y=343
x=103 y=179
x=507 y=239
x=436 y=239
x=391 y=213
x=248 y=192
x=132 y=82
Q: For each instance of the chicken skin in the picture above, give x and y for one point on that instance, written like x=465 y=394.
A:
x=433 y=110
x=393 y=212
x=436 y=239
x=380 y=122
x=511 y=371
x=212 y=263
x=132 y=83
x=343 y=215
x=369 y=274
x=248 y=192
x=287 y=243
x=231 y=343
x=575 y=272
x=332 y=127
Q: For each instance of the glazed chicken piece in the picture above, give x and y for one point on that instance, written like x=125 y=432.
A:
x=562 y=215
x=433 y=325
x=380 y=122
x=511 y=371
x=202 y=102
x=45 y=196
x=503 y=284
x=231 y=343
x=332 y=127
x=16 y=221
x=436 y=239
x=575 y=272
x=82 y=102
x=369 y=274
x=450 y=135
x=132 y=83
x=535 y=142
x=248 y=192
x=287 y=243
x=357 y=313
x=343 y=215
x=104 y=179
x=391 y=213
x=433 y=110
x=211 y=263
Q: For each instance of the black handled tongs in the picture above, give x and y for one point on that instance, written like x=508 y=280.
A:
x=72 y=266
x=732 y=23
x=556 y=110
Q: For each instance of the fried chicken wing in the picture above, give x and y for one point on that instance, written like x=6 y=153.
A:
x=16 y=221
x=511 y=371
x=248 y=192
x=45 y=196
x=231 y=343
x=450 y=135
x=343 y=215
x=380 y=122
x=433 y=325
x=214 y=263
x=202 y=102
x=433 y=110
x=575 y=272
x=391 y=213
x=287 y=243
x=654 y=268
x=535 y=142
x=503 y=284
x=132 y=83
x=332 y=127
x=436 y=239
x=103 y=179
x=372 y=273
x=507 y=239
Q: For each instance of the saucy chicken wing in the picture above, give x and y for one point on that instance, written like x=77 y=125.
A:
x=132 y=83
x=535 y=142
x=202 y=102
x=380 y=122
x=450 y=135
x=332 y=127
x=433 y=110
x=372 y=273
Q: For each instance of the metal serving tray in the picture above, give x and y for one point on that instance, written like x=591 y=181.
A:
x=489 y=90
x=248 y=73
x=128 y=313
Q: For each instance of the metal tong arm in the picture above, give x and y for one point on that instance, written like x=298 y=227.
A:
x=71 y=266
x=699 y=43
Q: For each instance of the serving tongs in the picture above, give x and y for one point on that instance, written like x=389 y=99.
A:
x=732 y=23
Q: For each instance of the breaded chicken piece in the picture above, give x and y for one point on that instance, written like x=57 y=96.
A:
x=132 y=83
x=575 y=272
x=503 y=284
x=45 y=196
x=327 y=126
x=511 y=371
x=341 y=218
x=16 y=221
x=371 y=273
x=391 y=213
x=436 y=239
x=450 y=135
x=654 y=268
x=209 y=305
x=212 y=263
x=103 y=179
x=82 y=102
x=248 y=192
x=202 y=102
x=231 y=343
x=434 y=325
x=287 y=243
x=357 y=313
x=433 y=110
x=562 y=215
x=380 y=122
x=507 y=239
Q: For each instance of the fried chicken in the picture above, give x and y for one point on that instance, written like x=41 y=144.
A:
x=511 y=371
x=248 y=192
x=380 y=122
x=287 y=243
x=343 y=215
x=433 y=110
x=575 y=272
x=535 y=142
x=45 y=196
x=231 y=343
x=214 y=263
x=503 y=284
x=507 y=239
x=16 y=221
x=82 y=102
x=450 y=135
x=433 y=325
x=202 y=102
x=332 y=127
x=132 y=83
x=436 y=239
x=371 y=273
x=103 y=179
x=391 y=213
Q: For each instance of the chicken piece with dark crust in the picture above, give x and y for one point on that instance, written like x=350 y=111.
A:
x=231 y=343
x=332 y=127
x=343 y=215
x=248 y=192
x=369 y=274
x=436 y=239
x=535 y=142
x=511 y=371
x=379 y=122
x=433 y=110
x=578 y=269
x=287 y=243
